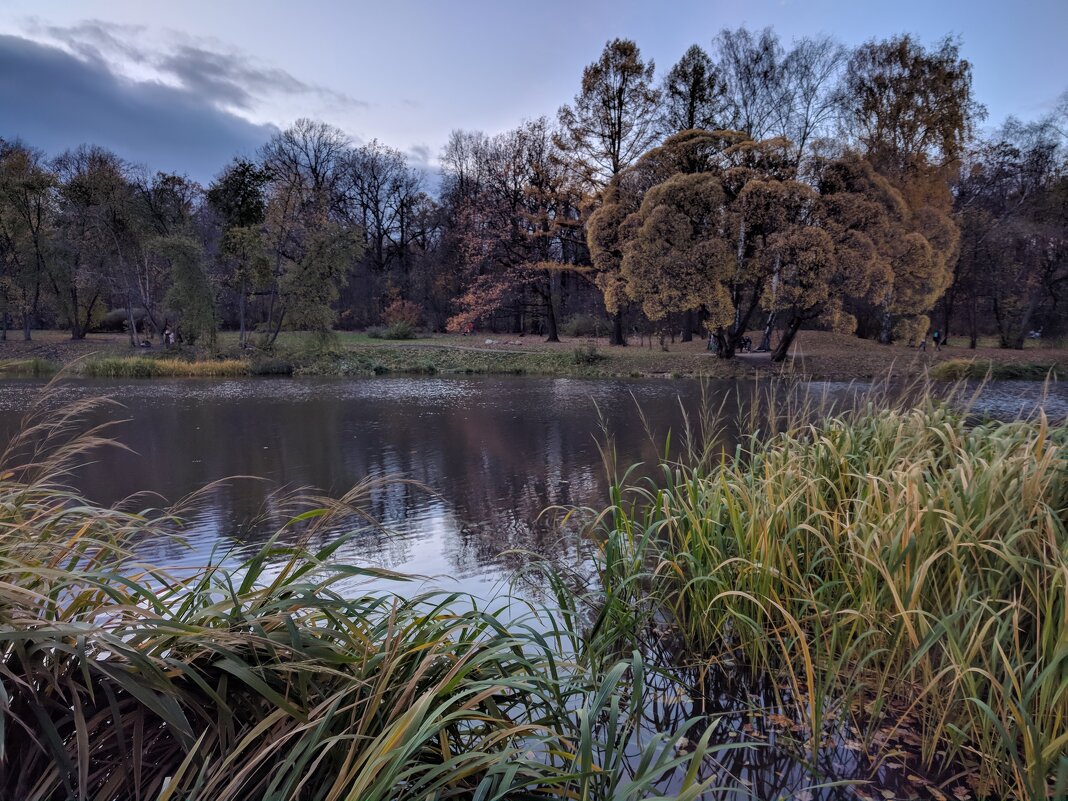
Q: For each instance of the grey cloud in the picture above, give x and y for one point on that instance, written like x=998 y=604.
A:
x=54 y=101
x=227 y=78
x=93 y=39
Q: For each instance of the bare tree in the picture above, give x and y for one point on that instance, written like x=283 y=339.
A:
x=751 y=65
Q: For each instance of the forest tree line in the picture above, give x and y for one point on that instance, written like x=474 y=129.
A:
x=753 y=186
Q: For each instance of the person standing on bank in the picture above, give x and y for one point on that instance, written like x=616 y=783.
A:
x=937 y=337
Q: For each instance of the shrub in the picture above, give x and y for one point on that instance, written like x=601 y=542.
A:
x=585 y=325
x=403 y=311
x=587 y=354
x=270 y=366
x=399 y=330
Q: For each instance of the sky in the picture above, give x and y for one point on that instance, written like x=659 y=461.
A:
x=185 y=86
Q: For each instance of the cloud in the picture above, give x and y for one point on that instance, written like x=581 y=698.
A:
x=221 y=75
x=55 y=99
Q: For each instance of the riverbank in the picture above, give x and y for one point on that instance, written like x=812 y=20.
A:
x=817 y=355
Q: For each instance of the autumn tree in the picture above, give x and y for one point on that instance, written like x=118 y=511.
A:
x=693 y=95
x=614 y=120
x=910 y=110
x=746 y=194
x=853 y=231
x=527 y=211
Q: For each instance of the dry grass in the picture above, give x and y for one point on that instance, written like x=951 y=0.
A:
x=895 y=566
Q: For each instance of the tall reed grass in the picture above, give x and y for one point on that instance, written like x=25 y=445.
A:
x=275 y=678
x=150 y=367
x=900 y=567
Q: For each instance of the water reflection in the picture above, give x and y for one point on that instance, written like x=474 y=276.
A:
x=487 y=455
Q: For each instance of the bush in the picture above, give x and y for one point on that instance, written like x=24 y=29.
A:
x=270 y=366
x=402 y=311
x=399 y=331
x=587 y=354
x=585 y=325
x=32 y=367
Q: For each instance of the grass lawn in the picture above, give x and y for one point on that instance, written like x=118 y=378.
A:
x=817 y=354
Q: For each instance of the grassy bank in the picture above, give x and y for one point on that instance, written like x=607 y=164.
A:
x=816 y=354
x=897 y=570
x=979 y=369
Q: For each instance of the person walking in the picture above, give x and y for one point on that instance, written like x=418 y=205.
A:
x=937 y=337
x=923 y=344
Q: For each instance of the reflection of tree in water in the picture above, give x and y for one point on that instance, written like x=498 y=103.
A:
x=494 y=454
x=759 y=744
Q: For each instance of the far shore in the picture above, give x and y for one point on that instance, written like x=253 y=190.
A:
x=815 y=354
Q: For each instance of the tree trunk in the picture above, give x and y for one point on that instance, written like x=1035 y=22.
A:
x=3 y=326
x=687 y=326
x=724 y=349
x=130 y=321
x=277 y=328
x=241 y=314
x=89 y=316
x=75 y=328
x=947 y=313
x=27 y=327
x=765 y=341
x=788 y=335
x=887 y=330
x=617 y=337
x=550 y=308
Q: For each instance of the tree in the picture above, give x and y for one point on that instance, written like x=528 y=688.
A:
x=615 y=117
x=693 y=94
x=1012 y=201
x=93 y=225
x=694 y=98
x=844 y=249
x=911 y=111
x=675 y=257
x=305 y=212
x=238 y=196
x=810 y=74
x=909 y=106
x=528 y=211
x=191 y=297
x=27 y=196
x=752 y=72
x=614 y=120
x=745 y=195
